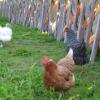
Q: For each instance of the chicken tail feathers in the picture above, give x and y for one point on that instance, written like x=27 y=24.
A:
x=70 y=53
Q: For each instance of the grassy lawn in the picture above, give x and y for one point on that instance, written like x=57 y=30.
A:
x=21 y=72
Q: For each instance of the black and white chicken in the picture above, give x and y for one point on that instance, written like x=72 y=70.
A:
x=80 y=55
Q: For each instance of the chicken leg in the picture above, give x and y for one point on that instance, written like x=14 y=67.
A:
x=60 y=95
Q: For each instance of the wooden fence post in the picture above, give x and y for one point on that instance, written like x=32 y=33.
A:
x=75 y=15
x=69 y=14
x=42 y=15
x=81 y=30
x=33 y=20
x=91 y=18
x=60 y=22
x=49 y=19
x=96 y=42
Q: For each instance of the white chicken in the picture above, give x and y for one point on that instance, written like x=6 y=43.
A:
x=5 y=34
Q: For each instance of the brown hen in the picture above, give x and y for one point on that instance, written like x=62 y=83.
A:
x=59 y=76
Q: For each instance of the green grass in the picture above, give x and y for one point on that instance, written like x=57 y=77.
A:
x=21 y=72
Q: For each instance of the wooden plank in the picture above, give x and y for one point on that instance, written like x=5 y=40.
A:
x=46 y=17
x=60 y=22
x=67 y=18
x=42 y=15
x=96 y=42
x=49 y=23
x=80 y=32
x=91 y=18
x=69 y=13
x=33 y=19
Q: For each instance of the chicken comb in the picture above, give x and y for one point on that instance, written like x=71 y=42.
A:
x=45 y=59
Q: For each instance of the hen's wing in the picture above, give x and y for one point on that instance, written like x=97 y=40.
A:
x=66 y=77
